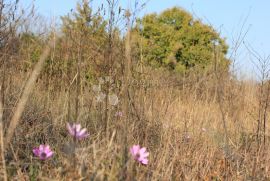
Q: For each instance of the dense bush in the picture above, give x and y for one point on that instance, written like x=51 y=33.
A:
x=175 y=40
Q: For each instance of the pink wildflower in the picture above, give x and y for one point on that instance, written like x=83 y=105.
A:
x=139 y=154
x=119 y=114
x=76 y=131
x=43 y=152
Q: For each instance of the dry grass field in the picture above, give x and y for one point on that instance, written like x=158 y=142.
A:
x=181 y=127
x=207 y=125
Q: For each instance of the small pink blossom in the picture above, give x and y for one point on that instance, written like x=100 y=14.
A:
x=119 y=114
x=76 y=131
x=43 y=152
x=139 y=154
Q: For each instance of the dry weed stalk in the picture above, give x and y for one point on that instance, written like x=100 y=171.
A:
x=26 y=93
x=2 y=141
x=125 y=92
x=263 y=67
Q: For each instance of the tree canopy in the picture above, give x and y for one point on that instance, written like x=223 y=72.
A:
x=175 y=40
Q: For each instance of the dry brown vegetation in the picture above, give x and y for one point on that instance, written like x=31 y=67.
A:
x=207 y=126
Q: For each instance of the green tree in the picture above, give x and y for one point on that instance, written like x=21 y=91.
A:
x=173 y=39
x=84 y=23
x=30 y=49
x=84 y=33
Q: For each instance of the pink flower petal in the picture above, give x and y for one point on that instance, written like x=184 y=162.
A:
x=135 y=149
x=82 y=132
x=47 y=148
x=145 y=154
x=142 y=150
x=144 y=161
x=83 y=136
x=36 y=151
x=70 y=129
x=49 y=154
x=41 y=148
x=77 y=128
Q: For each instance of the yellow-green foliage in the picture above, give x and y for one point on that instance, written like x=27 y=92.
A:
x=175 y=40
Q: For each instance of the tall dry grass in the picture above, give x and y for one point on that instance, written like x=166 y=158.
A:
x=2 y=146
x=181 y=127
